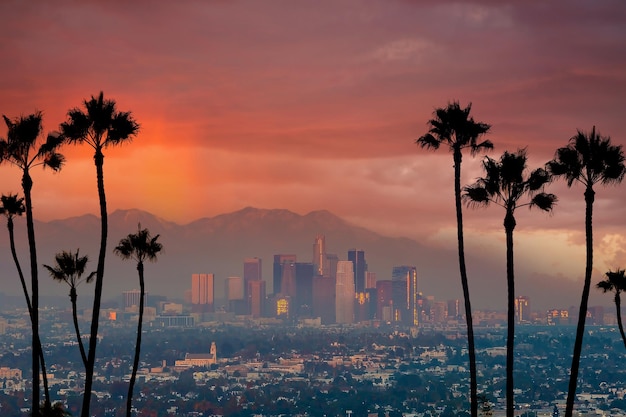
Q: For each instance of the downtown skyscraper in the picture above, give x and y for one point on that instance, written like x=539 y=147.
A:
x=344 y=290
x=319 y=256
x=357 y=257
x=202 y=292
x=406 y=298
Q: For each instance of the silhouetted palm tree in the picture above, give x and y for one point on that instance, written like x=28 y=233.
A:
x=13 y=206
x=22 y=149
x=588 y=159
x=505 y=184
x=452 y=127
x=100 y=126
x=616 y=282
x=139 y=247
x=69 y=268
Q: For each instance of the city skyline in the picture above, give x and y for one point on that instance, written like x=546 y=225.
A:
x=317 y=107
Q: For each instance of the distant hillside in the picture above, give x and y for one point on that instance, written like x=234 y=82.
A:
x=216 y=244
x=219 y=245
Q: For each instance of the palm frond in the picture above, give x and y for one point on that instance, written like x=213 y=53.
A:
x=538 y=178
x=428 y=141
x=544 y=201
x=123 y=128
x=77 y=127
x=54 y=161
x=476 y=195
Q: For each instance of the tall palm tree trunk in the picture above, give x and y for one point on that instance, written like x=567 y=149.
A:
x=18 y=266
x=73 y=297
x=93 y=338
x=27 y=185
x=28 y=305
x=618 y=307
x=131 y=386
x=582 y=313
x=466 y=297
x=509 y=226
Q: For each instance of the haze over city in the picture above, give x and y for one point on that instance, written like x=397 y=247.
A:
x=317 y=106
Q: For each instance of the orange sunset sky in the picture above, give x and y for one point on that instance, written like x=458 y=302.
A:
x=309 y=105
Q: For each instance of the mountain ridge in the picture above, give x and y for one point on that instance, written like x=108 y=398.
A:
x=219 y=245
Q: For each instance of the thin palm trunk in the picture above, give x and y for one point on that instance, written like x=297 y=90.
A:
x=582 y=313
x=27 y=185
x=509 y=226
x=18 y=266
x=464 y=283
x=73 y=297
x=99 y=162
x=28 y=305
x=131 y=386
x=618 y=308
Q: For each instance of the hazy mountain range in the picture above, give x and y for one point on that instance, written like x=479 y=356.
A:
x=219 y=245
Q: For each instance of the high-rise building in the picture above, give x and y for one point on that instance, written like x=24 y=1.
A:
x=234 y=288
x=362 y=306
x=288 y=280
x=370 y=279
x=522 y=309
x=331 y=262
x=202 y=292
x=256 y=298
x=409 y=302
x=252 y=271
x=384 y=300
x=304 y=288
x=132 y=297
x=344 y=290
x=439 y=310
x=596 y=315
x=319 y=255
x=235 y=295
x=279 y=262
x=324 y=299
x=359 y=266
x=454 y=309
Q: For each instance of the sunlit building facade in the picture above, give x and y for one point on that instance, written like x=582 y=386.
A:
x=319 y=256
x=252 y=271
x=202 y=292
x=344 y=290
x=522 y=309
x=256 y=298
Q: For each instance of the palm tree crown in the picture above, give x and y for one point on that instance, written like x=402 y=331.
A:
x=615 y=282
x=504 y=184
x=69 y=268
x=101 y=125
x=11 y=206
x=19 y=146
x=140 y=246
x=589 y=159
x=452 y=126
